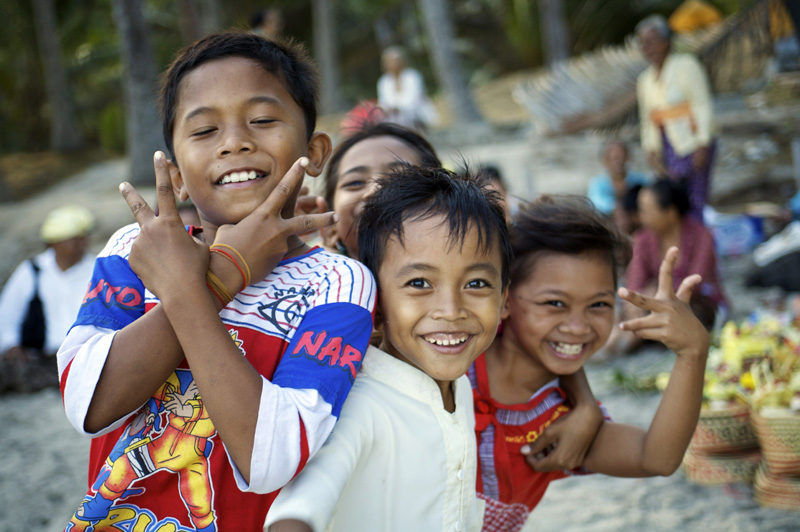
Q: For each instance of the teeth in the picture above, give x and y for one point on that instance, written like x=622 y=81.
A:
x=567 y=349
x=447 y=341
x=238 y=177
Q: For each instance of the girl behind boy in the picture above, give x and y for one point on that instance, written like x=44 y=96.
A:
x=559 y=312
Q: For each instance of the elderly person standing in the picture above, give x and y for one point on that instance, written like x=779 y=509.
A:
x=675 y=113
x=56 y=281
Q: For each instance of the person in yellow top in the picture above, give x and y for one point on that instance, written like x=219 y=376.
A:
x=675 y=113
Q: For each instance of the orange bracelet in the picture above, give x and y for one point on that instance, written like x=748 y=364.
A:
x=244 y=269
x=218 y=289
x=227 y=255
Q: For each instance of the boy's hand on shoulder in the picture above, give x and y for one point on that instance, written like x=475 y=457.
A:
x=165 y=256
x=263 y=237
x=671 y=320
x=563 y=446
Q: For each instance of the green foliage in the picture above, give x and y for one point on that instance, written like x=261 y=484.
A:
x=112 y=129
x=494 y=37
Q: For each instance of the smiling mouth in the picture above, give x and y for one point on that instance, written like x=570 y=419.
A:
x=240 y=177
x=446 y=340
x=567 y=350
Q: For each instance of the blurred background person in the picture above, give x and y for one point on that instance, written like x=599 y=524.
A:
x=663 y=212
x=608 y=190
x=675 y=113
x=401 y=92
x=31 y=334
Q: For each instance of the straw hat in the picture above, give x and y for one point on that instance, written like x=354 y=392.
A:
x=66 y=222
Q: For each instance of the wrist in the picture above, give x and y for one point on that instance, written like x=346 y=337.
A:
x=227 y=274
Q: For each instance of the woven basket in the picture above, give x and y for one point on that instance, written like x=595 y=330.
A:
x=727 y=430
x=775 y=491
x=714 y=469
x=779 y=438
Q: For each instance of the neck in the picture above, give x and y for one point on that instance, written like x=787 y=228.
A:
x=65 y=263
x=448 y=397
x=518 y=374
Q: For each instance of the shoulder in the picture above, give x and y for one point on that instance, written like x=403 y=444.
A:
x=337 y=269
x=121 y=241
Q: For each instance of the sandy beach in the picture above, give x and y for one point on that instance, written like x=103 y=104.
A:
x=43 y=470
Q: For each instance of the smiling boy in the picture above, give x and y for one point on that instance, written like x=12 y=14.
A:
x=403 y=454
x=187 y=363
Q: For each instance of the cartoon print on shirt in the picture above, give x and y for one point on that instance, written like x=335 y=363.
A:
x=170 y=435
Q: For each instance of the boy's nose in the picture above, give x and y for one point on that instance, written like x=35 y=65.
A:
x=236 y=140
x=449 y=306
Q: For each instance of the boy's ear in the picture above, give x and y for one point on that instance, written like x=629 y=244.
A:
x=505 y=312
x=177 y=181
x=319 y=149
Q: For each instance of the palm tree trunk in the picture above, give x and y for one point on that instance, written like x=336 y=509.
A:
x=141 y=115
x=65 y=132
x=447 y=64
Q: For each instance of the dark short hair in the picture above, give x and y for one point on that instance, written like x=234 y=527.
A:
x=671 y=193
x=414 y=193
x=286 y=60
x=630 y=201
x=564 y=224
x=414 y=140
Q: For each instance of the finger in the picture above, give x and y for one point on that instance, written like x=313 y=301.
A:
x=276 y=201
x=636 y=325
x=310 y=222
x=306 y=205
x=542 y=443
x=138 y=206
x=167 y=205
x=687 y=286
x=551 y=462
x=639 y=300
x=665 y=283
x=303 y=191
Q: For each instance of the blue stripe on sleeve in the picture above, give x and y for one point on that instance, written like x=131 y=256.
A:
x=326 y=352
x=115 y=296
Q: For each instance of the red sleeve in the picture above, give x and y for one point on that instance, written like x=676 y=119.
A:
x=701 y=256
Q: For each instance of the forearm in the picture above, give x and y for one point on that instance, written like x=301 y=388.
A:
x=676 y=418
x=228 y=383
x=141 y=357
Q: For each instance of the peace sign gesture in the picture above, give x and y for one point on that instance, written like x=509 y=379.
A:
x=164 y=255
x=671 y=320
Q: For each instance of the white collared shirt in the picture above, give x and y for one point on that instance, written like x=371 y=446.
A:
x=396 y=460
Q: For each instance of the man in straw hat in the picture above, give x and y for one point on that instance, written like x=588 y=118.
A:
x=41 y=299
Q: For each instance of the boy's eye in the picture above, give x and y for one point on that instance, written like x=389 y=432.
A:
x=554 y=303
x=354 y=184
x=601 y=305
x=201 y=132
x=479 y=283
x=262 y=121
x=418 y=283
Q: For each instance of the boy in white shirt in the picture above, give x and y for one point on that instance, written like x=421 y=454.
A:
x=402 y=455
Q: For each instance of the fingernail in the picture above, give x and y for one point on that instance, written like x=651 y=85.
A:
x=303 y=161
x=525 y=449
x=158 y=156
x=335 y=217
x=122 y=186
